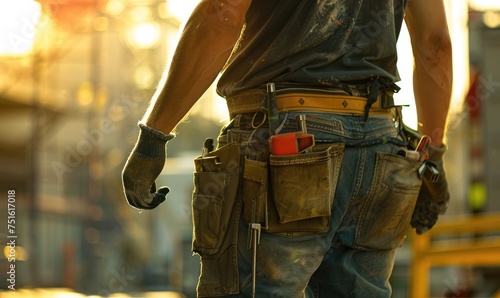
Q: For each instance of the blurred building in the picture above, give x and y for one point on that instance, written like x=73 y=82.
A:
x=77 y=76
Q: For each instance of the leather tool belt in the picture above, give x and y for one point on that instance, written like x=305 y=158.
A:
x=308 y=100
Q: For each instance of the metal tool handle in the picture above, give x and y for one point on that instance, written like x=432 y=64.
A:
x=272 y=109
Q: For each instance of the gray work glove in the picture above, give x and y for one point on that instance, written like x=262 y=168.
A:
x=143 y=166
x=433 y=197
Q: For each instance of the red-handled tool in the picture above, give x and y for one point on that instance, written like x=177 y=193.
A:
x=292 y=142
x=423 y=147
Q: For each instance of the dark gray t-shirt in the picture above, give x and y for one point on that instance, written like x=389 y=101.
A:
x=315 y=43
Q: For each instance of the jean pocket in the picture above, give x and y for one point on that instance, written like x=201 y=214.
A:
x=214 y=196
x=386 y=212
x=303 y=185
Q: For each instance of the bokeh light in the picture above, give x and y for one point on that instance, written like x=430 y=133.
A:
x=19 y=23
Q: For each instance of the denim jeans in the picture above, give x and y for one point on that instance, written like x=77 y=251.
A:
x=373 y=201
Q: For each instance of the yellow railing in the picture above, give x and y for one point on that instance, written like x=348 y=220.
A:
x=460 y=240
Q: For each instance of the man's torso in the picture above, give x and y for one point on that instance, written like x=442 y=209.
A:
x=315 y=44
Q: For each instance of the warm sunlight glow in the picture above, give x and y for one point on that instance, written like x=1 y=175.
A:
x=491 y=19
x=181 y=9
x=483 y=5
x=457 y=11
x=115 y=7
x=18 y=24
x=18 y=253
x=405 y=66
x=145 y=35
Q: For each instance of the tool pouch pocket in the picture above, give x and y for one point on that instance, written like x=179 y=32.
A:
x=386 y=211
x=214 y=197
x=255 y=180
x=303 y=187
x=215 y=219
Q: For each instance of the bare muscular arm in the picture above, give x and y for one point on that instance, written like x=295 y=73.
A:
x=204 y=47
x=432 y=78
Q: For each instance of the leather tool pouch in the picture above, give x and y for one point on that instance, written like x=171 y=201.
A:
x=296 y=198
x=215 y=220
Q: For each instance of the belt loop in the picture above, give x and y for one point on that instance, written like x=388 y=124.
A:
x=386 y=98
x=373 y=90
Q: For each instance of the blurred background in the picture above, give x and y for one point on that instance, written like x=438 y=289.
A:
x=77 y=75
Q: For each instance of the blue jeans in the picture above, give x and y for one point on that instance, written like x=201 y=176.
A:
x=372 y=206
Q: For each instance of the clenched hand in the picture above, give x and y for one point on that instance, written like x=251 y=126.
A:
x=433 y=197
x=143 y=166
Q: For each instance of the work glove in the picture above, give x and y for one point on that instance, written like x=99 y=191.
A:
x=434 y=195
x=143 y=166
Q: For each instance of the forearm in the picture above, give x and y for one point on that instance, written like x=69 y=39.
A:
x=432 y=82
x=432 y=78
x=204 y=47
